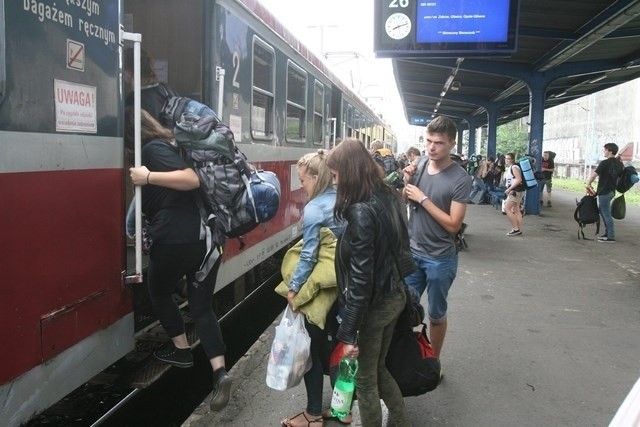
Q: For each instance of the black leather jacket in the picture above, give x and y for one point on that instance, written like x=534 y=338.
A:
x=365 y=263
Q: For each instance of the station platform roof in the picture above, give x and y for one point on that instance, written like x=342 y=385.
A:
x=572 y=47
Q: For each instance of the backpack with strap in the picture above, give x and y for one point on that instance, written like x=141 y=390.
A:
x=626 y=179
x=587 y=212
x=392 y=172
x=529 y=180
x=234 y=196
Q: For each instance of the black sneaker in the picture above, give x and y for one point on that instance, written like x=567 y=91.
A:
x=514 y=233
x=221 y=392
x=180 y=357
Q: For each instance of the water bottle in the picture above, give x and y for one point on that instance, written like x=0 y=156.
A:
x=344 y=387
x=392 y=178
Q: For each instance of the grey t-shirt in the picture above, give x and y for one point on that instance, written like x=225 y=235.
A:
x=428 y=238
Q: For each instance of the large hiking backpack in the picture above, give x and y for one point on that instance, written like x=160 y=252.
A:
x=392 y=171
x=529 y=180
x=239 y=196
x=586 y=213
x=626 y=179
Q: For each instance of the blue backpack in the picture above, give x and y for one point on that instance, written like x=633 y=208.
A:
x=529 y=180
x=626 y=179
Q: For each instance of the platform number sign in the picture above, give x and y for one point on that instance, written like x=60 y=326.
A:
x=394 y=24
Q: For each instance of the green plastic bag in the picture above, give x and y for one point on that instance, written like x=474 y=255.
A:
x=618 y=207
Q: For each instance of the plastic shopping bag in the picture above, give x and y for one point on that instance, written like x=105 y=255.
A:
x=290 y=356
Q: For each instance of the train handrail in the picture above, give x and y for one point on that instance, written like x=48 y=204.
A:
x=136 y=38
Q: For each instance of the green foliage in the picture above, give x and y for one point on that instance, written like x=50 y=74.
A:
x=512 y=137
x=632 y=197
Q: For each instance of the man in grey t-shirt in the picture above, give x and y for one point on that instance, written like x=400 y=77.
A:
x=438 y=189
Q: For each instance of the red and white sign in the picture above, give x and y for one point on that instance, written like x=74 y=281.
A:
x=75 y=107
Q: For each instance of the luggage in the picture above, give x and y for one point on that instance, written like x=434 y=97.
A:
x=587 y=212
x=413 y=363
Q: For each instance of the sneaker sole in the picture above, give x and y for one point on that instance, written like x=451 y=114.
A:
x=223 y=392
x=174 y=363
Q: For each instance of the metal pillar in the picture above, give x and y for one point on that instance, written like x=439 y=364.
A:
x=537 y=89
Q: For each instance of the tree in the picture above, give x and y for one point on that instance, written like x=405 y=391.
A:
x=512 y=137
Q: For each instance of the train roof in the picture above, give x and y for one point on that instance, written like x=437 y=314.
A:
x=263 y=14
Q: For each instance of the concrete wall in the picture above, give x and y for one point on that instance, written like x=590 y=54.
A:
x=577 y=130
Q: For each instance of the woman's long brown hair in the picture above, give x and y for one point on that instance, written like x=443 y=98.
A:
x=358 y=174
x=150 y=128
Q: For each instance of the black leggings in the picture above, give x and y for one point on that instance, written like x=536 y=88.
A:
x=167 y=265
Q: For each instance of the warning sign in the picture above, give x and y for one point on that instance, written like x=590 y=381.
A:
x=75 y=107
x=75 y=55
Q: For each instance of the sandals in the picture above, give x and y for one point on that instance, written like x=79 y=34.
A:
x=326 y=414
x=310 y=422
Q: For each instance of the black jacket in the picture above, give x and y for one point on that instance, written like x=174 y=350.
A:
x=366 y=267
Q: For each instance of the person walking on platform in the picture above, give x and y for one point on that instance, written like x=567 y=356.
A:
x=169 y=203
x=479 y=186
x=370 y=288
x=607 y=173
x=514 y=193
x=439 y=191
x=316 y=180
x=548 y=166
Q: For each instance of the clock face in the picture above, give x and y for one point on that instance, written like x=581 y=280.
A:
x=398 y=26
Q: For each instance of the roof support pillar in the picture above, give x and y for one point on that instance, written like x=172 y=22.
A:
x=492 y=129
x=537 y=88
x=473 y=124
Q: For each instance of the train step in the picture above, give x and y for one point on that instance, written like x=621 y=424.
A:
x=142 y=368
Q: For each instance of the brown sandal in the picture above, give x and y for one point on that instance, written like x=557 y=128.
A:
x=287 y=421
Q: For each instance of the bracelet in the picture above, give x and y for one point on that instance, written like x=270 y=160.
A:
x=148 y=175
x=422 y=200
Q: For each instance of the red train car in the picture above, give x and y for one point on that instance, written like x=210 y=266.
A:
x=65 y=311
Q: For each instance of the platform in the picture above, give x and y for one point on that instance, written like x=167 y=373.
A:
x=543 y=331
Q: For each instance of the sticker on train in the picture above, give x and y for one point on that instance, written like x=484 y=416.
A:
x=75 y=107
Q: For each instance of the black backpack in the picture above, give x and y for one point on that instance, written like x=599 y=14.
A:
x=626 y=179
x=587 y=212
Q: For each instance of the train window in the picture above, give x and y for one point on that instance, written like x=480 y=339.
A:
x=296 y=101
x=263 y=94
x=318 y=102
x=3 y=82
x=349 y=121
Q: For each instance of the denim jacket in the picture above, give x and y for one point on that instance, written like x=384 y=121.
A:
x=317 y=213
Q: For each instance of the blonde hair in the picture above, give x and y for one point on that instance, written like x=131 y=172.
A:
x=315 y=164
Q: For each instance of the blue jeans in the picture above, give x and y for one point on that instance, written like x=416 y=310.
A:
x=478 y=187
x=436 y=275
x=604 y=204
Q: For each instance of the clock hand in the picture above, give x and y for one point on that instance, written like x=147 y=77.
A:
x=398 y=26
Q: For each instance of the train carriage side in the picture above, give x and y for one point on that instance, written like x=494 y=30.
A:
x=274 y=99
x=64 y=312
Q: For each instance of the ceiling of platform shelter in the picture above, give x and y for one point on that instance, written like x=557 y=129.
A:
x=586 y=45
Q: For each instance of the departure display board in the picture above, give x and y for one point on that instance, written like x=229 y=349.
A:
x=423 y=28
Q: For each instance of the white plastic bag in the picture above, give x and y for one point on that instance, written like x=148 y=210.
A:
x=290 y=356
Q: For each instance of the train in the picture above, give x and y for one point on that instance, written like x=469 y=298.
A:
x=66 y=309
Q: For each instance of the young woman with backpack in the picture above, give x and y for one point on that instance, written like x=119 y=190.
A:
x=169 y=203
